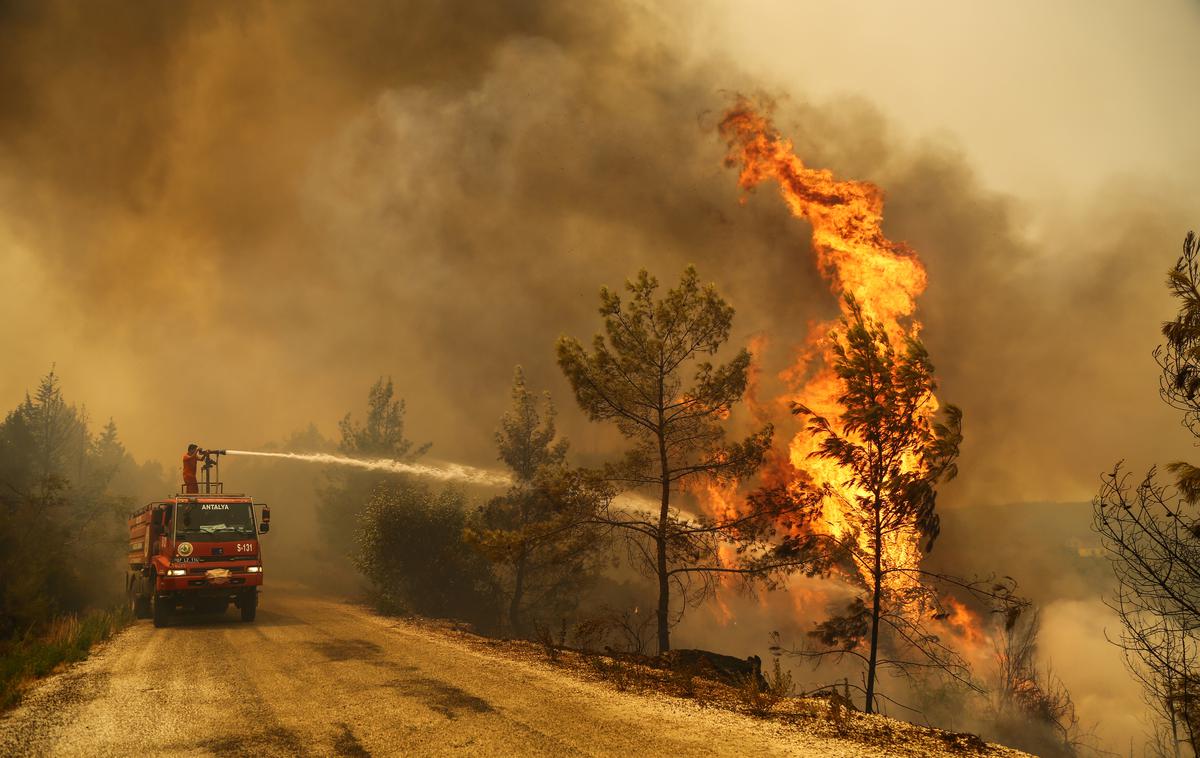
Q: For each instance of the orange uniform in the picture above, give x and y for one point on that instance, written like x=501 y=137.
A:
x=189 y=472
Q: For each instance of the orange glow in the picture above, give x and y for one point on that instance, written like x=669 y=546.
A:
x=967 y=629
x=846 y=217
x=853 y=254
x=886 y=278
x=724 y=615
x=964 y=622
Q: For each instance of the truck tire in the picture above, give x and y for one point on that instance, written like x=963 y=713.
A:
x=248 y=604
x=139 y=604
x=160 y=610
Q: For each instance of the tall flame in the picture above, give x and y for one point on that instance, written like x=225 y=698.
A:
x=857 y=259
x=846 y=216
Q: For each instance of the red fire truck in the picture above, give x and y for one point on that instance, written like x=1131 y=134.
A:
x=196 y=551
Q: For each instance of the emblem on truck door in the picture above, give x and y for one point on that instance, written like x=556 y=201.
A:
x=184 y=549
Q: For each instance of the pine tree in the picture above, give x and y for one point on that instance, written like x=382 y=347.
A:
x=381 y=435
x=637 y=376
x=541 y=530
x=895 y=454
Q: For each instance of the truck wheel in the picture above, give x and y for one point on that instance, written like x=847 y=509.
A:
x=249 y=606
x=139 y=604
x=160 y=610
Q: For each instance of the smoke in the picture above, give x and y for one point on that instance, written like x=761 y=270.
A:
x=449 y=472
x=319 y=196
x=224 y=221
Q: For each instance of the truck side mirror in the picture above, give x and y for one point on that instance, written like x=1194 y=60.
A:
x=264 y=525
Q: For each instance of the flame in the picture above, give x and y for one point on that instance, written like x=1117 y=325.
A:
x=964 y=624
x=846 y=216
x=886 y=278
x=857 y=259
x=724 y=614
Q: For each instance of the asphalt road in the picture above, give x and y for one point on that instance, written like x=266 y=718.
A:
x=313 y=676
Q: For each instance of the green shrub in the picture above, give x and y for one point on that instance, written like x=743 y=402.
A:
x=411 y=548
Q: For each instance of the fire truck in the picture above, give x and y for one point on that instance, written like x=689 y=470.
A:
x=196 y=551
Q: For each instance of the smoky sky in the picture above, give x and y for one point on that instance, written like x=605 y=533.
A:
x=223 y=221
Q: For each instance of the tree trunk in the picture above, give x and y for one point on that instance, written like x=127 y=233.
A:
x=664 y=579
x=877 y=576
x=664 y=583
x=514 y=606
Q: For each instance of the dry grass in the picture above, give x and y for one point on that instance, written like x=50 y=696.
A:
x=66 y=639
x=760 y=700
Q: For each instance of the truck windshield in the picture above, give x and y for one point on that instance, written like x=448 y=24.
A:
x=208 y=522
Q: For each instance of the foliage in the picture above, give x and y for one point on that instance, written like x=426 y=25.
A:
x=62 y=528
x=526 y=437
x=893 y=455
x=540 y=534
x=1179 y=358
x=1151 y=533
x=411 y=548
x=636 y=376
x=348 y=490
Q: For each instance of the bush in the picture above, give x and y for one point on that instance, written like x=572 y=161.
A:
x=410 y=547
x=625 y=630
x=759 y=700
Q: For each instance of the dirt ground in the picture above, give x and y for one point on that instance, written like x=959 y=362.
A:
x=314 y=676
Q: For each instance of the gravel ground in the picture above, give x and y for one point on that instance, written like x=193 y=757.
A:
x=318 y=677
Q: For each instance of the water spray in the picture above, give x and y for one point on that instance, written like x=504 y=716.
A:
x=449 y=472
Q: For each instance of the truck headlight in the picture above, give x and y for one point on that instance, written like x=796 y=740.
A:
x=176 y=572
x=254 y=569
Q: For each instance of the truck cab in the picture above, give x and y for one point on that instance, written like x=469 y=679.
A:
x=197 y=552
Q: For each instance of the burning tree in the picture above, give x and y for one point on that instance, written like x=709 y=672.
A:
x=634 y=376
x=873 y=449
x=892 y=455
x=1152 y=534
x=541 y=531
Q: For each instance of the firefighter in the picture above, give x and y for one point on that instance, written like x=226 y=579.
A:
x=193 y=456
